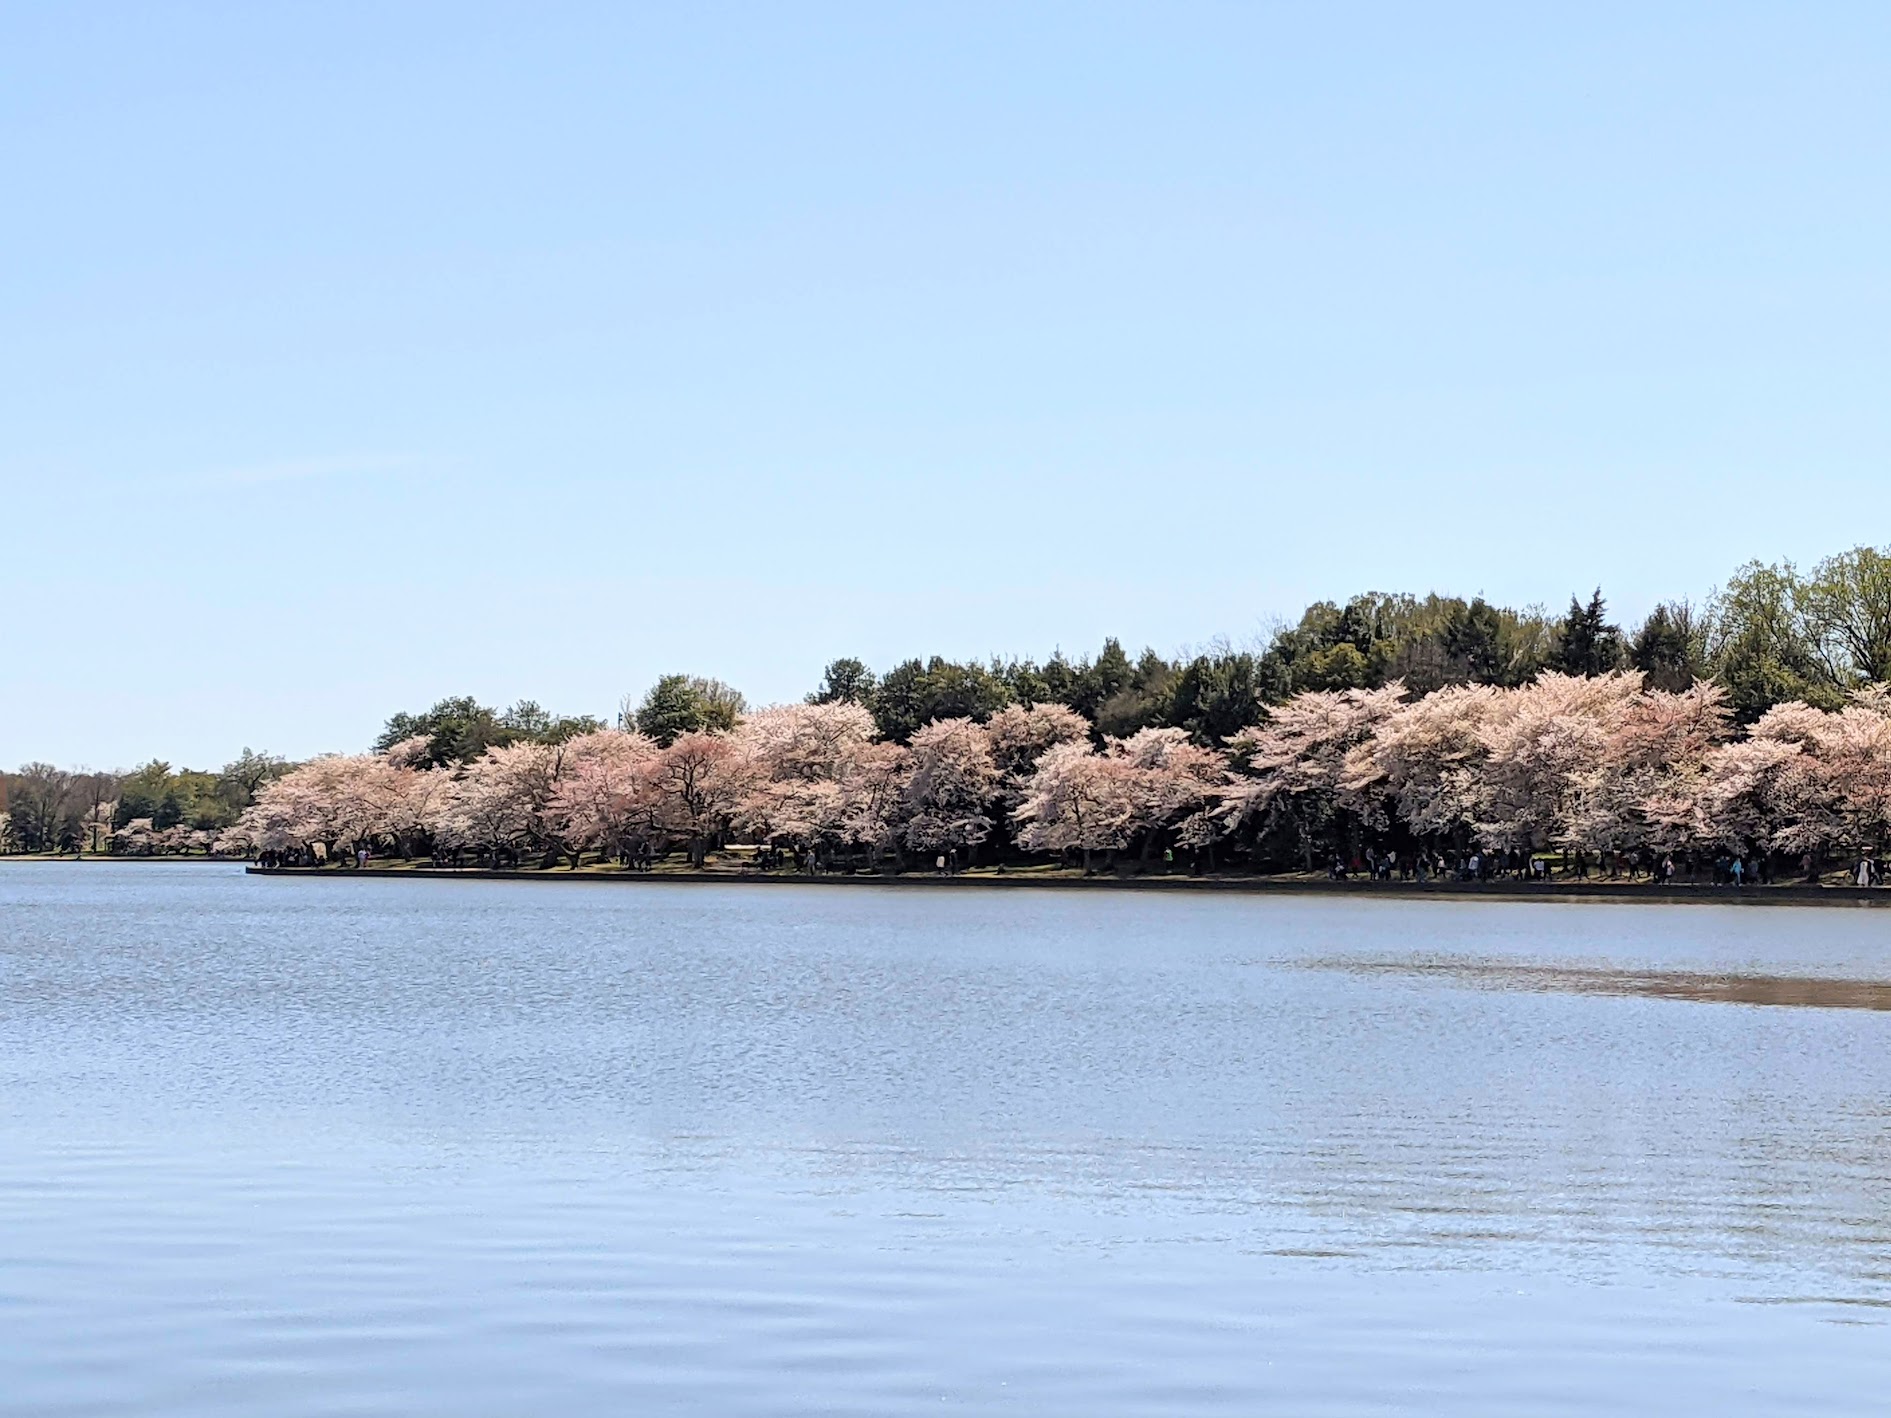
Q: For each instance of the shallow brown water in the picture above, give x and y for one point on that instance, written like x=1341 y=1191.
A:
x=1790 y=991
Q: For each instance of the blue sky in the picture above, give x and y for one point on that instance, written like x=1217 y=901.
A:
x=352 y=357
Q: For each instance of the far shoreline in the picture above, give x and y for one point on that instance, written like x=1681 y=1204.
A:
x=1791 y=894
x=1694 y=894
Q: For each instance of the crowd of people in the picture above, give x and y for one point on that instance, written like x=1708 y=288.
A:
x=1664 y=868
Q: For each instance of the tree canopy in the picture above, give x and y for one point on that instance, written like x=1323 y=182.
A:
x=1773 y=640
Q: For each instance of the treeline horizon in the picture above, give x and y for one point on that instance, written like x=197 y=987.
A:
x=1773 y=634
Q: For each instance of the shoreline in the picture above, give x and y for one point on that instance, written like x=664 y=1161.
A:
x=69 y=859
x=1609 y=891
x=88 y=857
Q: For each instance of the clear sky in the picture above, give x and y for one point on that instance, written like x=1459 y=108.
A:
x=352 y=357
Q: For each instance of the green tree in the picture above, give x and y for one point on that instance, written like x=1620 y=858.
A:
x=1846 y=609
x=1343 y=647
x=1472 y=637
x=1141 y=703
x=152 y=790
x=686 y=704
x=1025 y=682
x=457 y=730
x=1764 y=649
x=1587 y=644
x=527 y=720
x=44 y=804
x=899 y=701
x=912 y=695
x=1670 y=647
x=1340 y=666
x=1098 y=680
x=1217 y=695
x=243 y=776
x=1060 y=680
x=845 y=681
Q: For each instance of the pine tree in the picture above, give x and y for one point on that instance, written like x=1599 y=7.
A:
x=1588 y=644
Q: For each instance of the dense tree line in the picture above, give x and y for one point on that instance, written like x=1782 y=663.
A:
x=153 y=808
x=1217 y=754
x=1771 y=635
x=1584 y=766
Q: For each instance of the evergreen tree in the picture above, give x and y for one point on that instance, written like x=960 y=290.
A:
x=1667 y=648
x=912 y=695
x=1216 y=696
x=1588 y=644
x=1473 y=639
x=846 y=681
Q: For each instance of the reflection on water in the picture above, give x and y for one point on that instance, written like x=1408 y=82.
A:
x=1801 y=991
x=489 y=1148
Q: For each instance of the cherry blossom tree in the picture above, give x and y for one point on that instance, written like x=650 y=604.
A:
x=1421 y=763
x=1174 y=786
x=698 y=785
x=1077 y=799
x=281 y=818
x=1294 y=764
x=96 y=823
x=1805 y=780
x=1856 y=754
x=410 y=752
x=799 y=756
x=872 y=785
x=1641 y=788
x=805 y=741
x=951 y=783
x=1021 y=735
x=416 y=797
x=497 y=805
x=604 y=799
x=137 y=838
x=1750 y=793
x=1546 y=738
x=339 y=800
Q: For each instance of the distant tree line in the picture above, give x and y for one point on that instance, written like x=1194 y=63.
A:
x=153 y=808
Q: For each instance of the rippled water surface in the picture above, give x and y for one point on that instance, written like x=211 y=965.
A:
x=370 y=1147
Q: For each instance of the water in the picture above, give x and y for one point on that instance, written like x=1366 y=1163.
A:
x=468 y=1148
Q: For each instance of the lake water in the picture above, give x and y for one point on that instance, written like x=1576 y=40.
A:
x=466 y=1148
